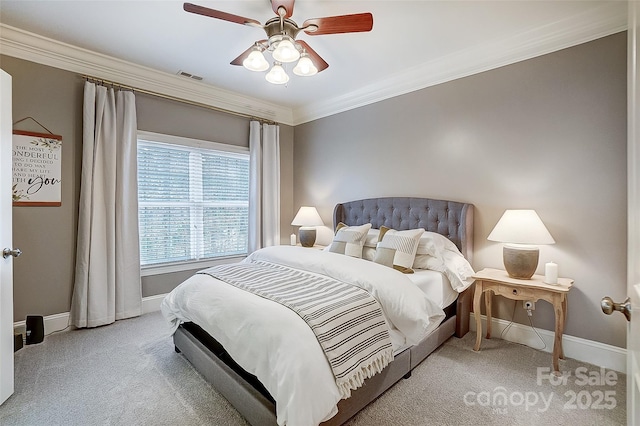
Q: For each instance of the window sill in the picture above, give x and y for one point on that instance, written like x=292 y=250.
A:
x=146 y=271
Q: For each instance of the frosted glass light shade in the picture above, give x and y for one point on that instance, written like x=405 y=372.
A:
x=305 y=67
x=521 y=227
x=307 y=216
x=255 y=61
x=286 y=52
x=277 y=75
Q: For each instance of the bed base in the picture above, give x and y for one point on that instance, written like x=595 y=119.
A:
x=259 y=409
x=250 y=403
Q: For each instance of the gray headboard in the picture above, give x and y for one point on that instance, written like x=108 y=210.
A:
x=452 y=219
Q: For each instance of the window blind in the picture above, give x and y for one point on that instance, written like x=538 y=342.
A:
x=193 y=202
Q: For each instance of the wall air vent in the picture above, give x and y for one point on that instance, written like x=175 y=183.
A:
x=188 y=75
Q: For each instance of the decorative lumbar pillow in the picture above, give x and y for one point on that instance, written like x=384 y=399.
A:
x=402 y=245
x=349 y=240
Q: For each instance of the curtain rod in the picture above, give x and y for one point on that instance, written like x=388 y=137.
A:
x=174 y=98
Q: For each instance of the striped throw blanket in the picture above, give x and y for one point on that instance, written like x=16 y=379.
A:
x=347 y=321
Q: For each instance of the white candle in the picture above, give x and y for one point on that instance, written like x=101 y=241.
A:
x=551 y=273
x=293 y=239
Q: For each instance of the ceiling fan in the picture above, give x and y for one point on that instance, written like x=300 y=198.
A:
x=281 y=38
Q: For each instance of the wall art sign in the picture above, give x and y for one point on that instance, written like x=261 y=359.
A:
x=37 y=171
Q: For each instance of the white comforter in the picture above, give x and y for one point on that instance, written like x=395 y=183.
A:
x=273 y=343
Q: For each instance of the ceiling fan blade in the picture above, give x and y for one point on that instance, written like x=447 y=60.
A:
x=315 y=58
x=359 y=22
x=212 y=13
x=287 y=4
x=243 y=55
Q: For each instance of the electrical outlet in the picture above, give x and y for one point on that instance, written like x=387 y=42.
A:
x=529 y=305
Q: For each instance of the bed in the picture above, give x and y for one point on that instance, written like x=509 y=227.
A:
x=249 y=396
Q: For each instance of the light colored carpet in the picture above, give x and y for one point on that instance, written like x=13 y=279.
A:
x=128 y=374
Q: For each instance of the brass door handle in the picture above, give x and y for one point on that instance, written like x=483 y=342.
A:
x=608 y=306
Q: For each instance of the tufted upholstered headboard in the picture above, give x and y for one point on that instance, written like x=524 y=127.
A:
x=452 y=219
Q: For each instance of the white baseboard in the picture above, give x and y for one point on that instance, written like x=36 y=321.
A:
x=152 y=303
x=60 y=321
x=596 y=353
x=52 y=323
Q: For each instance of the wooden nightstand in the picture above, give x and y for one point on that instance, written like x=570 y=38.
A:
x=315 y=246
x=499 y=282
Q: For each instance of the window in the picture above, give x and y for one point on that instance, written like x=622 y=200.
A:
x=193 y=199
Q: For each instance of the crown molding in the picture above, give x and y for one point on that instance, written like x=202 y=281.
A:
x=35 y=48
x=600 y=21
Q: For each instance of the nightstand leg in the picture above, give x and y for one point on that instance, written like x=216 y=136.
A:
x=557 y=343
x=488 y=299
x=564 y=320
x=477 y=295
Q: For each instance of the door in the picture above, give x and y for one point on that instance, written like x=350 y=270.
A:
x=631 y=306
x=6 y=263
x=633 y=275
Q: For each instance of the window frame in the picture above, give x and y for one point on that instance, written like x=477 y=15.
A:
x=187 y=265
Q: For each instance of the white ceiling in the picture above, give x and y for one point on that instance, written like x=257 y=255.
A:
x=413 y=44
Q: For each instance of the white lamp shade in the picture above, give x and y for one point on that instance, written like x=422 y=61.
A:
x=307 y=216
x=305 y=67
x=286 y=52
x=255 y=61
x=277 y=75
x=521 y=227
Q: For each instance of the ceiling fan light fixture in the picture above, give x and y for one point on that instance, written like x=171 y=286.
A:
x=305 y=67
x=255 y=61
x=277 y=75
x=280 y=42
x=286 y=51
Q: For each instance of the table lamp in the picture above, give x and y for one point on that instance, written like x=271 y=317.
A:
x=307 y=219
x=522 y=231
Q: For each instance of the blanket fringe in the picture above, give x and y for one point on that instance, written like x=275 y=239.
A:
x=365 y=371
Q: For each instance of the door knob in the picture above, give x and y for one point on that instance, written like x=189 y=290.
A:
x=608 y=306
x=11 y=252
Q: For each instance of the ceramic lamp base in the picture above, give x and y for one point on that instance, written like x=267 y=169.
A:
x=520 y=262
x=307 y=237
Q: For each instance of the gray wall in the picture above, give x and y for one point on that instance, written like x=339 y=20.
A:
x=548 y=133
x=43 y=275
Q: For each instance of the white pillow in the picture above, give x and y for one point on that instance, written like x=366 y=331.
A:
x=349 y=240
x=434 y=244
x=404 y=243
x=373 y=235
x=368 y=253
x=426 y=261
x=458 y=270
x=453 y=265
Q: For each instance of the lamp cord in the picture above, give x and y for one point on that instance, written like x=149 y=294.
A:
x=515 y=305
x=544 y=345
x=513 y=314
